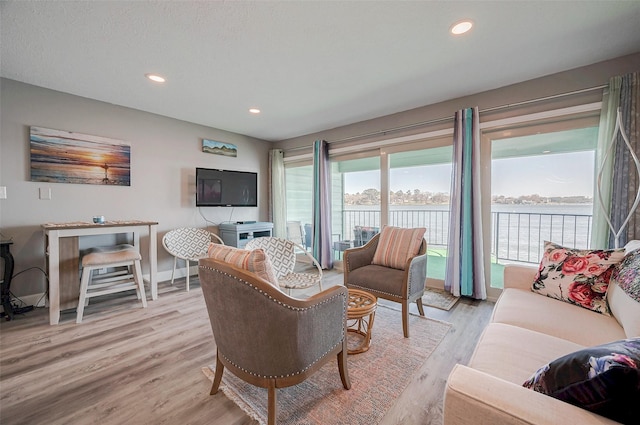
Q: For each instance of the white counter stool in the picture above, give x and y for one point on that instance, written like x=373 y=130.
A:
x=109 y=283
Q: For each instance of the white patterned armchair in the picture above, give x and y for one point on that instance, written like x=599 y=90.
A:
x=282 y=254
x=188 y=244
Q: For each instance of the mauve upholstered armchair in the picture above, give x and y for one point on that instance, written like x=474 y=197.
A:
x=402 y=286
x=267 y=338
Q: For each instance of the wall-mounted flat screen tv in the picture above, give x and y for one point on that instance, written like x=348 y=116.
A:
x=224 y=188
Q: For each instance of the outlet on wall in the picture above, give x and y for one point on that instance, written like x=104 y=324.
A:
x=45 y=193
x=3 y=192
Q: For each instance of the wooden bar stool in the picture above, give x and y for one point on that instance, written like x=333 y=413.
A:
x=109 y=283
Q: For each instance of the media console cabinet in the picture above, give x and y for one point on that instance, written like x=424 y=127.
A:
x=236 y=234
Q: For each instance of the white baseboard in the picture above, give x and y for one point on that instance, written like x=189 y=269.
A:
x=39 y=300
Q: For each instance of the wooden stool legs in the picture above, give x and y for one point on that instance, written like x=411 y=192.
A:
x=109 y=283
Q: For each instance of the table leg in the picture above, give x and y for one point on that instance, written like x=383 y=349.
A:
x=54 y=277
x=362 y=327
x=153 y=260
x=68 y=272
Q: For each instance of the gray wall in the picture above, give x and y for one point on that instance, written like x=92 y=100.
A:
x=551 y=85
x=164 y=155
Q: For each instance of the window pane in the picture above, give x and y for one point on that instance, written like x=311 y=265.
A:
x=355 y=202
x=299 y=194
x=419 y=186
x=542 y=189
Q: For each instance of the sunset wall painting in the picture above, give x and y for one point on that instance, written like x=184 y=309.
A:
x=59 y=156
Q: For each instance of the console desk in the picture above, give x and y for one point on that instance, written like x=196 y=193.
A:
x=63 y=257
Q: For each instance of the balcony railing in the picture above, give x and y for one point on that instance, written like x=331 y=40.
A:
x=521 y=236
x=515 y=236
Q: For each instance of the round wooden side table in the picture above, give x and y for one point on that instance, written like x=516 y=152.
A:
x=361 y=312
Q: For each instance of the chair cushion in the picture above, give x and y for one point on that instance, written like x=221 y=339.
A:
x=397 y=245
x=604 y=379
x=385 y=280
x=255 y=261
x=105 y=255
x=579 y=277
x=299 y=280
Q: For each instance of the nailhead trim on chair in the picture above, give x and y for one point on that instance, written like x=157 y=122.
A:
x=409 y=277
x=367 y=289
x=244 y=282
x=281 y=376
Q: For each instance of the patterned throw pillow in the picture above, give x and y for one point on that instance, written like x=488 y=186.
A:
x=255 y=261
x=627 y=274
x=579 y=277
x=604 y=379
x=397 y=245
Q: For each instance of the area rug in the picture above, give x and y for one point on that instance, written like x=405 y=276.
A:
x=378 y=377
x=439 y=298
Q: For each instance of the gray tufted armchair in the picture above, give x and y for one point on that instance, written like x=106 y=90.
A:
x=402 y=286
x=267 y=338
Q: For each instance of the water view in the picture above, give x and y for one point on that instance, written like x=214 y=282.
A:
x=518 y=231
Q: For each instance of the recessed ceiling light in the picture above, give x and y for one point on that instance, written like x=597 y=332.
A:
x=461 y=27
x=546 y=151
x=155 y=77
x=254 y=110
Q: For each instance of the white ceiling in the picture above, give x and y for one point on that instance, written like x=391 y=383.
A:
x=309 y=66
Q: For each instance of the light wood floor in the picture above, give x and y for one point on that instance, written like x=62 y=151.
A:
x=125 y=364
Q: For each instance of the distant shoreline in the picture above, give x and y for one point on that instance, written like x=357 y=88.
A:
x=493 y=203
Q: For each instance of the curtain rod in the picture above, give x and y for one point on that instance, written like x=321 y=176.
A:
x=439 y=120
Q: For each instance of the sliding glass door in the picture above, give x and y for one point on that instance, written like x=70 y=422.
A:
x=419 y=186
x=542 y=189
x=299 y=199
x=356 y=202
x=537 y=184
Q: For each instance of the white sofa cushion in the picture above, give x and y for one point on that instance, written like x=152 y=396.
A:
x=529 y=310
x=625 y=309
x=514 y=354
x=473 y=397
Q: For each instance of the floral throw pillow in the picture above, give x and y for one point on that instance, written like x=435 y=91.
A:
x=627 y=274
x=604 y=379
x=579 y=277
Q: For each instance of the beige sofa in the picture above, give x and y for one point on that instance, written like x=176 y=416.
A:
x=528 y=330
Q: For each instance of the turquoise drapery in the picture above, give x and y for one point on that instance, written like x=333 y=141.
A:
x=610 y=102
x=277 y=195
x=322 y=205
x=465 y=261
